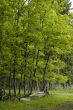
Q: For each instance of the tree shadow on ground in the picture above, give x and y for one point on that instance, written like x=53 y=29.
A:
x=65 y=106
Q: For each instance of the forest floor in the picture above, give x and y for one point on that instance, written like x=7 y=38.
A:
x=59 y=99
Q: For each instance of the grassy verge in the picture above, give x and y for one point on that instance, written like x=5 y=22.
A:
x=55 y=98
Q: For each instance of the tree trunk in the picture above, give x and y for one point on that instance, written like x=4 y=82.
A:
x=14 y=81
x=20 y=84
x=10 y=84
x=25 y=66
x=44 y=72
x=35 y=69
x=30 y=84
x=24 y=85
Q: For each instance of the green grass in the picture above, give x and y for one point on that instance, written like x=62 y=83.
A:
x=68 y=90
x=55 y=98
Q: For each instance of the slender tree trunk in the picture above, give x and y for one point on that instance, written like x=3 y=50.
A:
x=30 y=83
x=34 y=54
x=44 y=72
x=20 y=85
x=26 y=47
x=10 y=84
x=15 y=54
x=14 y=72
x=14 y=81
x=36 y=63
x=35 y=69
x=25 y=66
x=24 y=85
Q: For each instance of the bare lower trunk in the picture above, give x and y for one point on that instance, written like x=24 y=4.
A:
x=14 y=82
x=24 y=85
x=35 y=69
x=44 y=72
x=20 y=85
x=10 y=84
